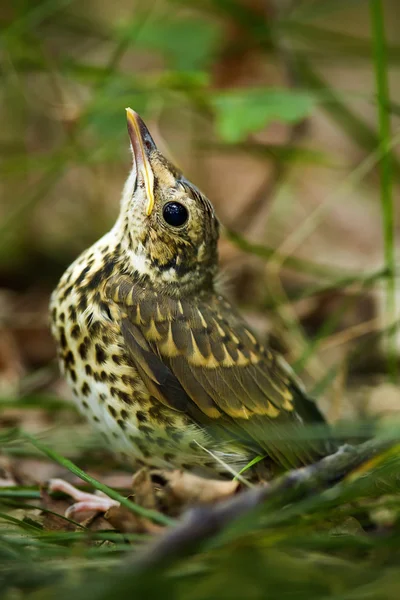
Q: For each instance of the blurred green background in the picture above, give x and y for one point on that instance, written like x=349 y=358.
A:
x=279 y=111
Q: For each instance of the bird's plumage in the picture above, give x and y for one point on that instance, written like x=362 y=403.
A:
x=144 y=334
x=198 y=356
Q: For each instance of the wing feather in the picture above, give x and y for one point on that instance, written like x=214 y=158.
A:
x=200 y=357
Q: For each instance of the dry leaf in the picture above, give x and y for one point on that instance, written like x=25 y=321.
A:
x=143 y=489
x=184 y=488
x=144 y=495
x=124 y=520
x=55 y=522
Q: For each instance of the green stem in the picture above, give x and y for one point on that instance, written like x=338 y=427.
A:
x=291 y=262
x=386 y=167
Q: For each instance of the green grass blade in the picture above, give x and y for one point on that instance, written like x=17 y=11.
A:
x=253 y=462
x=386 y=167
x=20 y=493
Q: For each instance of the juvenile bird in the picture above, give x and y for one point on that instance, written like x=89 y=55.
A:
x=156 y=357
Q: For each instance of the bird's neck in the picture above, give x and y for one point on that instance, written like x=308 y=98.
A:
x=174 y=279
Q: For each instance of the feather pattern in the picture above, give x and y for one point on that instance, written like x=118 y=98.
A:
x=198 y=356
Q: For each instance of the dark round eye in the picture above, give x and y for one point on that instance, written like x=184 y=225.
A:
x=175 y=214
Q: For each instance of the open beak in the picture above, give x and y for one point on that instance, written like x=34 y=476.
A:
x=142 y=145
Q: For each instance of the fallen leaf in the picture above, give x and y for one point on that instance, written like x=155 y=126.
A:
x=125 y=521
x=56 y=521
x=144 y=495
x=143 y=489
x=183 y=488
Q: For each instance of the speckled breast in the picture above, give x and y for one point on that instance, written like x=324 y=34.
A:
x=105 y=383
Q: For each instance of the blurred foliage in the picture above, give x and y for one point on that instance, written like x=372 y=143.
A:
x=68 y=70
x=239 y=113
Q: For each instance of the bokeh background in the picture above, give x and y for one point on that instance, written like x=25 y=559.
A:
x=279 y=111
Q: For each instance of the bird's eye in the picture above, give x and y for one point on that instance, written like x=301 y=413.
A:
x=175 y=214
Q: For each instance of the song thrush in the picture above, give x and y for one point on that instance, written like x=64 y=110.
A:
x=156 y=357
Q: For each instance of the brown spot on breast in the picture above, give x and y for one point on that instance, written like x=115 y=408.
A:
x=82 y=304
x=63 y=339
x=116 y=359
x=83 y=348
x=146 y=430
x=67 y=293
x=128 y=380
x=95 y=328
x=112 y=411
x=124 y=396
x=141 y=416
x=69 y=359
x=158 y=413
x=173 y=433
x=82 y=275
x=75 y=332
x=101 y=355
x=143 y=449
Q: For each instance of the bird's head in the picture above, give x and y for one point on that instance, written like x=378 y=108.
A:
x=170 y=230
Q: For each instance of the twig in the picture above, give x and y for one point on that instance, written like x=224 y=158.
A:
x=201 y=523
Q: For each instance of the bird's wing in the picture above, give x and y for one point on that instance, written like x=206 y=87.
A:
x=199 y=356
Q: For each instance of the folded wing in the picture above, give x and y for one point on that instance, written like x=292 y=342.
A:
x=198 y=356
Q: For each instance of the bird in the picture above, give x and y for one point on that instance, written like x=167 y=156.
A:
x=158 y=359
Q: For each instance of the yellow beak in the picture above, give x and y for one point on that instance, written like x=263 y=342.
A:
x=142 y=145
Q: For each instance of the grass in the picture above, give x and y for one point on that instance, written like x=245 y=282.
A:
x=386 y=168
x=320 y=531
x=69 y=465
